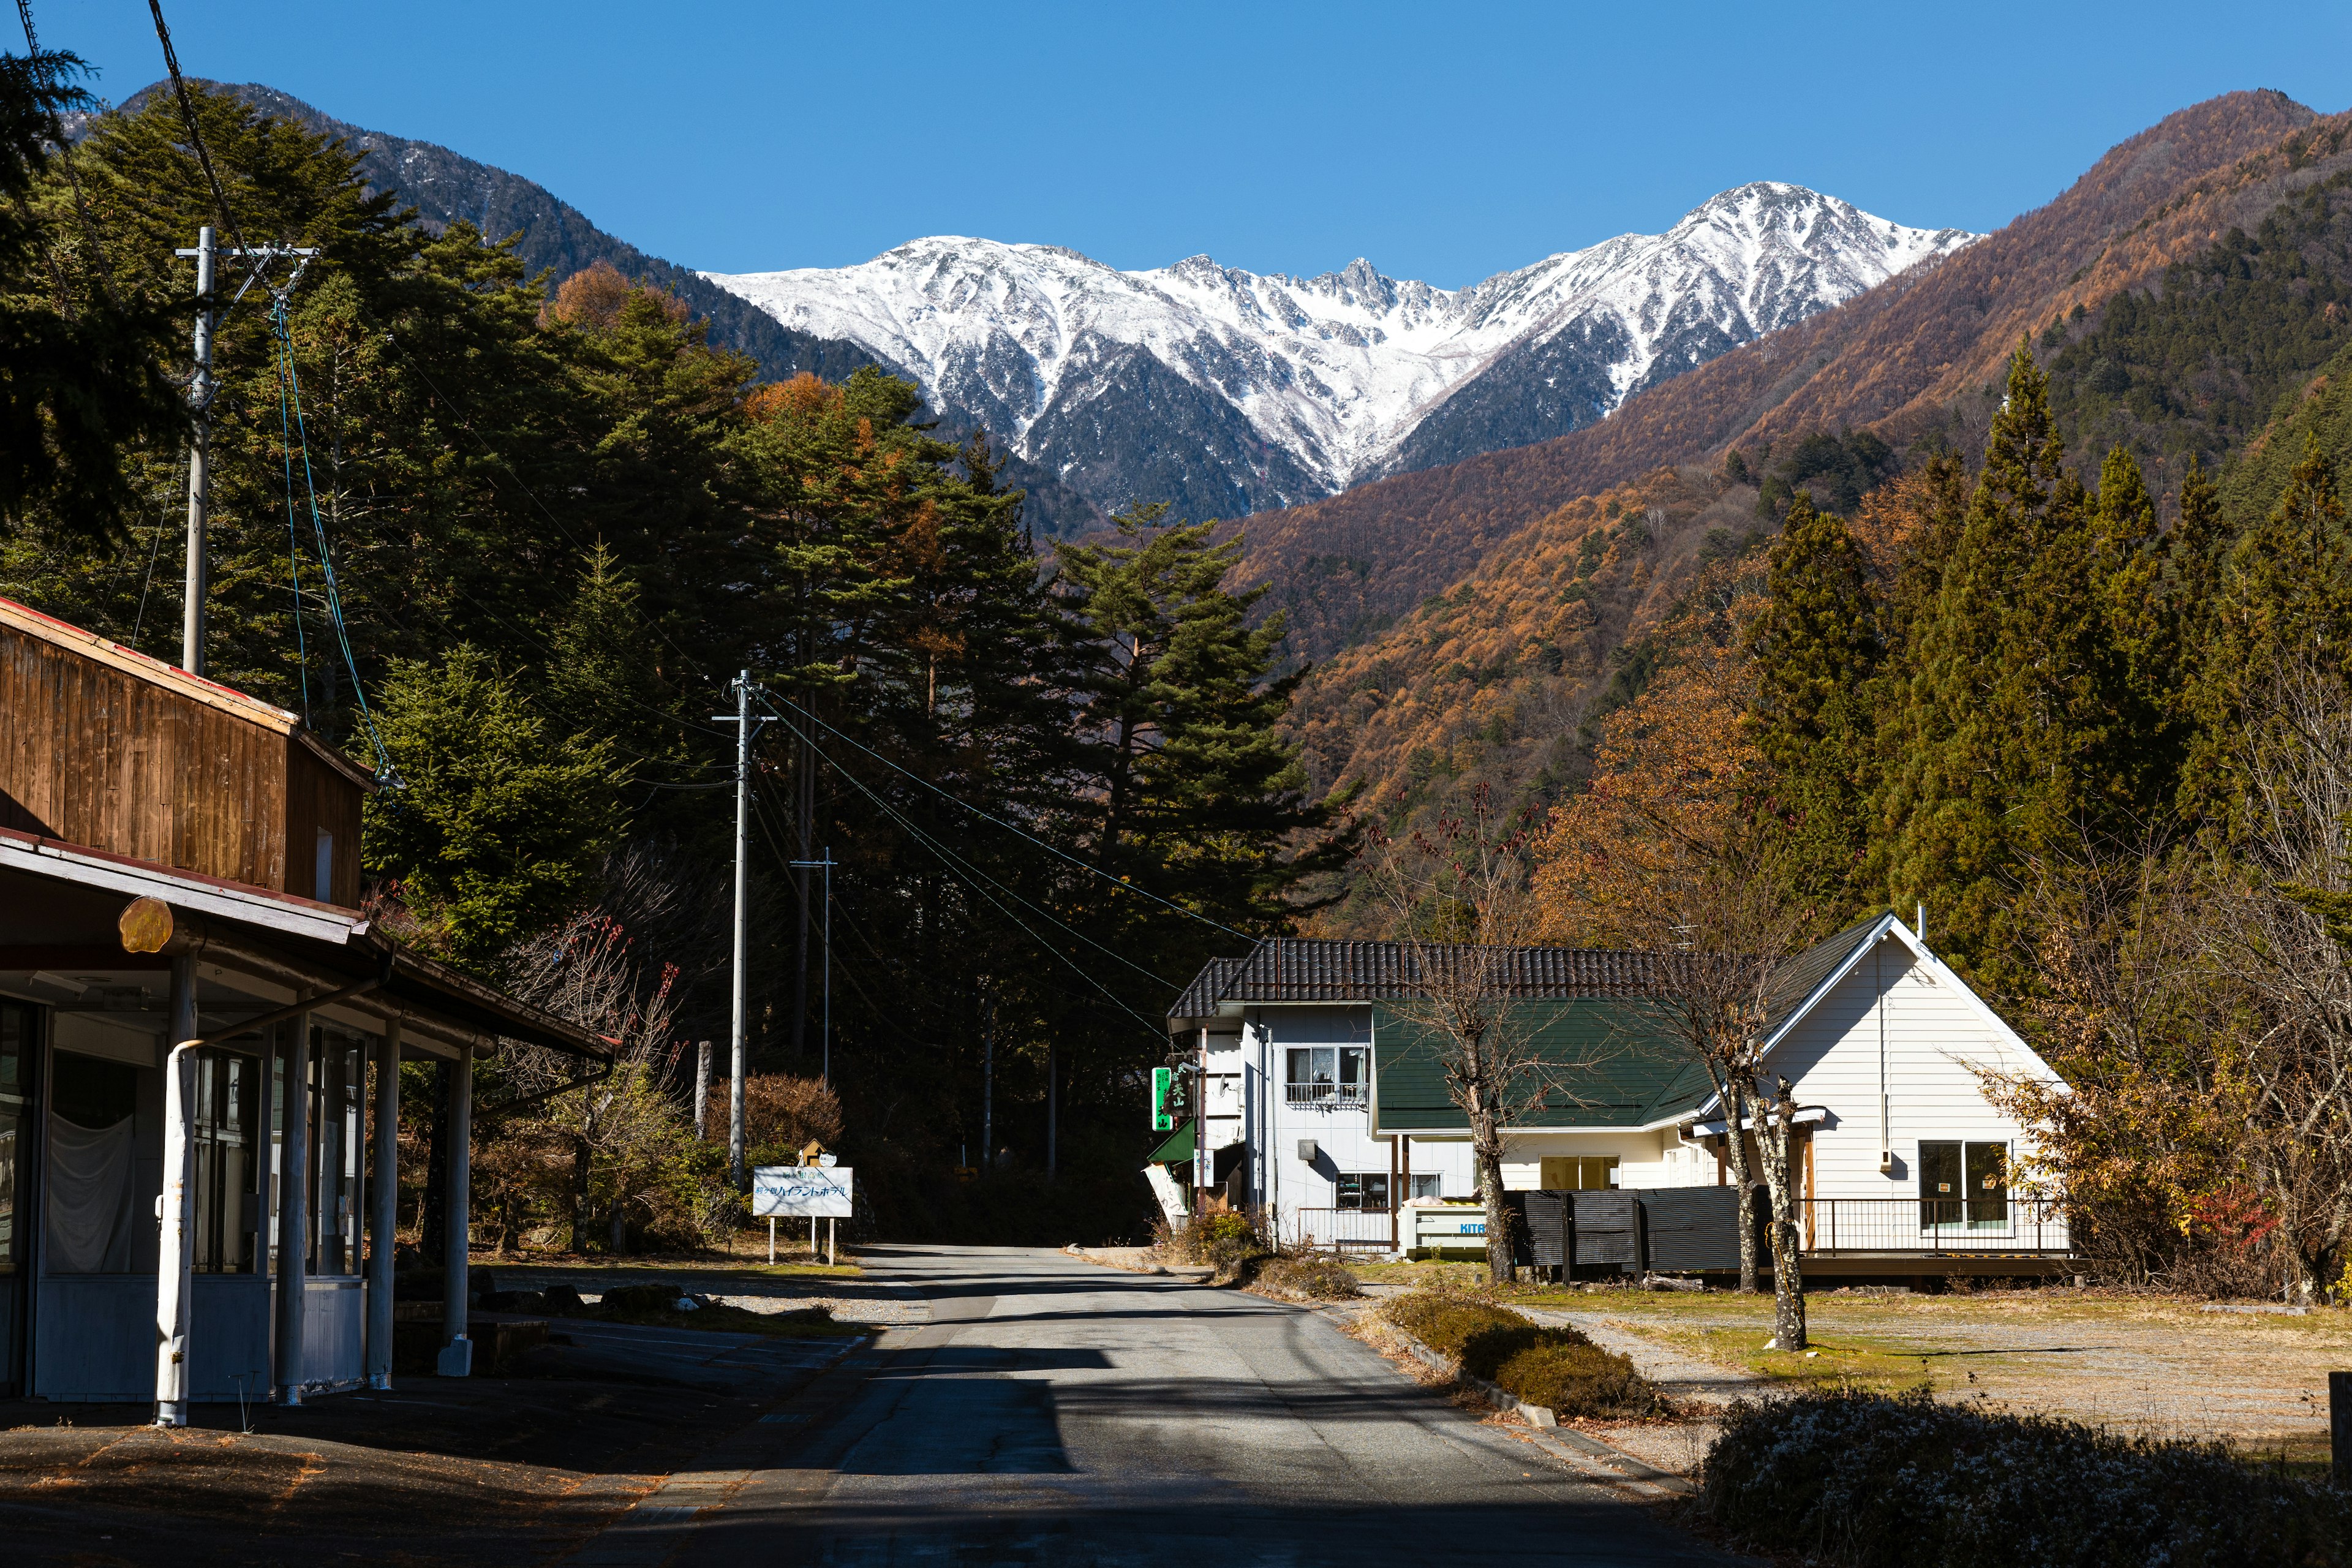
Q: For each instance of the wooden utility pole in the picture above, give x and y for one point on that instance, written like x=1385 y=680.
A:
x=207 y=254
x=200 y=400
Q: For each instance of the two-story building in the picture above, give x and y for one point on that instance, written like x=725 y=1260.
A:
x=200 y=1037
x=1327 y=1106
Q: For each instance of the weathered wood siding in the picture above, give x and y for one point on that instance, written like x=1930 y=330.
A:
x=99 y=756
x=319 y=797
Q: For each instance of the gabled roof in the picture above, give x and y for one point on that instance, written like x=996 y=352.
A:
x=1609 y=1066
x=1289 y=969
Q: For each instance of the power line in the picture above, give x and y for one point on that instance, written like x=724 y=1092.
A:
x=970 y=879
x=1008 y=827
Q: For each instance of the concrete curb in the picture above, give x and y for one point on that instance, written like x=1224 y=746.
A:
x=1540 y=1415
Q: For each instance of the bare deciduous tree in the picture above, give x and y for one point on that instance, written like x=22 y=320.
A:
x=1459 y=904
x=2274 y=927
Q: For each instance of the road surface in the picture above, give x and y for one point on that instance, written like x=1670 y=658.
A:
x=1057 y=1413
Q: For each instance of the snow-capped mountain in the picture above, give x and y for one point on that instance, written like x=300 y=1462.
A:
x=1227 y=392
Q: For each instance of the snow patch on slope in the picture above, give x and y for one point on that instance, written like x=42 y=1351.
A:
x=1338 y=370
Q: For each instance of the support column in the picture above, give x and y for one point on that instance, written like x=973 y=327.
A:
x=174 y=1274
x=293 y=1207
x=458 y=1350
x=384 y=1205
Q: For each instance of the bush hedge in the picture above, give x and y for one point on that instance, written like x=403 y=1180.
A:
x=1323 y=1279
x=1866 y=1481
x=1555 y=1367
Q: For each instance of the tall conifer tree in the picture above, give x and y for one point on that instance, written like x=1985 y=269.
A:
x=2016 y=732
x=1817 y=646
x=2284 y=590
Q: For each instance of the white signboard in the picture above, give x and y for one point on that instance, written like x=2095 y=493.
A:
x=801 y=1192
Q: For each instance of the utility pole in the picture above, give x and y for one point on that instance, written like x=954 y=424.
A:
x=200 y=400
x=987 y=1078
x=824 y=1071
x=742 y=721
x=208 y=253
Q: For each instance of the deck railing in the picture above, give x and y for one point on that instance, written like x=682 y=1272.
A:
x=1989 y=1224
x=1325 y=1094
x=1341 y=1228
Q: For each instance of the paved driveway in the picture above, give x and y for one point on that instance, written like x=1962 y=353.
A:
x=1057 y=1413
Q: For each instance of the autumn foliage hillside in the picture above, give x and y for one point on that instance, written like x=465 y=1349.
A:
x=1900 y=356
x=1502 y=679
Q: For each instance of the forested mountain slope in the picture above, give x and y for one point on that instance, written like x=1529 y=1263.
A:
x=1915 y=355
x=554 y=236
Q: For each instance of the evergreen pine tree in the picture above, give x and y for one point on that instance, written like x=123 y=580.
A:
x=2016 y=735
x=1817 y=647
x=2284 y=592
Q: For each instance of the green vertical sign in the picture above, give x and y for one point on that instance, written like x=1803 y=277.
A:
x=1163 y=1080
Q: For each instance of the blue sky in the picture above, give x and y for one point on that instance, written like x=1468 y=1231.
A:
x=1443 y=142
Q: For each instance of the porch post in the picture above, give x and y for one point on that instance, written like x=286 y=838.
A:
x=176 y=1262
x=293 y=1208
x=458 y=1350
x=384 y=1205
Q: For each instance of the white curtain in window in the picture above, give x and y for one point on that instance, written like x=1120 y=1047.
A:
x=93 y=1171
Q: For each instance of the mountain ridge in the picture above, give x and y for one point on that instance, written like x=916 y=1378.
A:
x=1905 y=355
x=1288 y=387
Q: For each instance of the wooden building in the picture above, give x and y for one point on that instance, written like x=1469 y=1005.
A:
x=107 y=748
x=200 y=1035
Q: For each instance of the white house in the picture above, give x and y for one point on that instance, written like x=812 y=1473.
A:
x=1325 y=1105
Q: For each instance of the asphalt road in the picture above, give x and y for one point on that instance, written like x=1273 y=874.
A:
x=1056 y=1413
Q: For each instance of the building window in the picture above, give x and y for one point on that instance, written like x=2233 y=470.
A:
x=1367 y=1190
x=1578 y=1173
x=1425 y=1184
x=1328 y=1075
x=1963 y=1184
x=227 y=1117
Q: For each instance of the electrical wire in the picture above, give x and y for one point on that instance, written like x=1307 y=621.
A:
x=1008 y=827
x=293 y=549
x=969 y=876
x=292 y=384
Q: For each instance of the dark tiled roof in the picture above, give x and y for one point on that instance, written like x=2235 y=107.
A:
x=1285 y=969
x=1815 y=965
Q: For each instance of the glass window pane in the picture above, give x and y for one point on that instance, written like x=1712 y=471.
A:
x=1302 y=1066
x=1988 y=1182
x=1355 y=1067
x=1940 y=1184
x=1323 y=1064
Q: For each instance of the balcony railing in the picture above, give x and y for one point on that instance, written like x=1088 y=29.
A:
x=1326 y=1094
x=1982 y=1224
x=1341 y=1228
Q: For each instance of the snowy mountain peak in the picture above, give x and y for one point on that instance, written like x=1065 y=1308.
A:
x=1228 y=391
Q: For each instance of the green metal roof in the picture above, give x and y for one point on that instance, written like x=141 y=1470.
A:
x=1609 y=1063
x=1177 y=1150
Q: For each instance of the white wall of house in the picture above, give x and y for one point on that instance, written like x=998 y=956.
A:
x=1340 y=1124
x=1651 y=1158
x=1935 y=1039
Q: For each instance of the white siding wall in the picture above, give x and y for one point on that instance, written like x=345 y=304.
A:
x=1933 y=1036
x=1342 y=1134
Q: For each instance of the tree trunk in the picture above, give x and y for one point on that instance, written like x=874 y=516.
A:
x=1735 y=1152
x=1776 y=1143
x=1487 y=1148
x=580 y=1171
x=620 y=1242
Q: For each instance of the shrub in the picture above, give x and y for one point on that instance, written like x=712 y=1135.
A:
x=1322 y=1279
x=1555 y=1367
x=1869 y=1481
x=1224 y=1241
